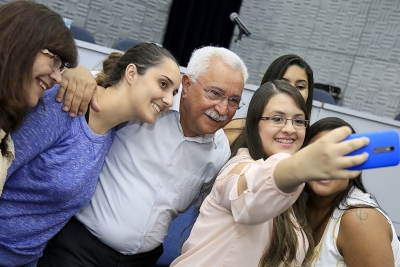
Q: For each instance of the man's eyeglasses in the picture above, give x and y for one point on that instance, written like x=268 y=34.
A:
x=215 y=94
x=280 y=122
x=56 y=61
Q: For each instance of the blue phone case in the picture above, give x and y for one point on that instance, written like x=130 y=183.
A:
x=383 y=149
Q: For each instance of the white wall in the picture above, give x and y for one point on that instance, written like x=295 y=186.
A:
x=353 y=44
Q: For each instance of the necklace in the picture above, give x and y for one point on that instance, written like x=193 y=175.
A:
x=317 y=248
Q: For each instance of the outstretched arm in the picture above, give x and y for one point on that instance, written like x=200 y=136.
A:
x=246 y=187
x=365 y=238
x=249 y=188
x=324 y=159
x=78 y=88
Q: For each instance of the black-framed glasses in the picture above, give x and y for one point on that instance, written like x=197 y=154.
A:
x=215 y=94
x=56 y=61
x=280 y=122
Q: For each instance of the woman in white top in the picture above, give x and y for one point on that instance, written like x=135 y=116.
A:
x=349 y=228
x=264 y=177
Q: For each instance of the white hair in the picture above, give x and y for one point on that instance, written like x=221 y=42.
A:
x=200 y=61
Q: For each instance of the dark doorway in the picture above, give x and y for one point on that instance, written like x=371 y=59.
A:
x=196 y=23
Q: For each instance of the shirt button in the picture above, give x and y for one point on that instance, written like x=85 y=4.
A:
x=158 y=185
x=155 y=208
x=171 y=164
x=147 y=234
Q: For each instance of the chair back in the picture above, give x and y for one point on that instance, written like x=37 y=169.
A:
x=82 y=34
x=177 y=234
x=323 y=96
x=125 y=44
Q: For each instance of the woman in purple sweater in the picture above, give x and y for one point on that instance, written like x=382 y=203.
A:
x=58 y=158
x=35 y=45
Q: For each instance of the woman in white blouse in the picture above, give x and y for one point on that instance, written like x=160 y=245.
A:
x=349 y=228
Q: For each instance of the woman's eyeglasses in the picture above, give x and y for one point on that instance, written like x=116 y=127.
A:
x=280 y=122
x=56 y=61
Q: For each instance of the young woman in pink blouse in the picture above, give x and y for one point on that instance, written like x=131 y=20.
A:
x=264 y=177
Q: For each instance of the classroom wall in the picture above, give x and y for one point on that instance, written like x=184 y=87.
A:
x=111 y=20
x=353 y=44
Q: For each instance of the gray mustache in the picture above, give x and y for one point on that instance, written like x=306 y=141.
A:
x=215 y=115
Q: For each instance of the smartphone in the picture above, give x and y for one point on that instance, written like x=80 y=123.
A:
x=383 y=149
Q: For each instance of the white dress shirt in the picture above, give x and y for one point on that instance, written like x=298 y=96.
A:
x=152 y=172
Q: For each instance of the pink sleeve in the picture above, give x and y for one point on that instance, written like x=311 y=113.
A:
x=262 y=201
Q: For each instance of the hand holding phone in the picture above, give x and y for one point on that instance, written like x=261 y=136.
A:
x=383 y=149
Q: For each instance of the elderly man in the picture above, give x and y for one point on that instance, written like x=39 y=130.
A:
x=152 y=172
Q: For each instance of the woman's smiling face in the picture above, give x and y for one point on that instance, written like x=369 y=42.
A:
x=326 y=188
x=284 y=138
x=43 y=77
x=297 y=77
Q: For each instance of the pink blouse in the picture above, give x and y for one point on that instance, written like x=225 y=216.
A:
x=234 y=230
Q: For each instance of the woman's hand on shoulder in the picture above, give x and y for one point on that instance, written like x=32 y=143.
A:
x=365 y=238
x=78 y=86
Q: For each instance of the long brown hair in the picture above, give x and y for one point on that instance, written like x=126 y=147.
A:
x=25 y=29
x=284 y=240
x=143 y=55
